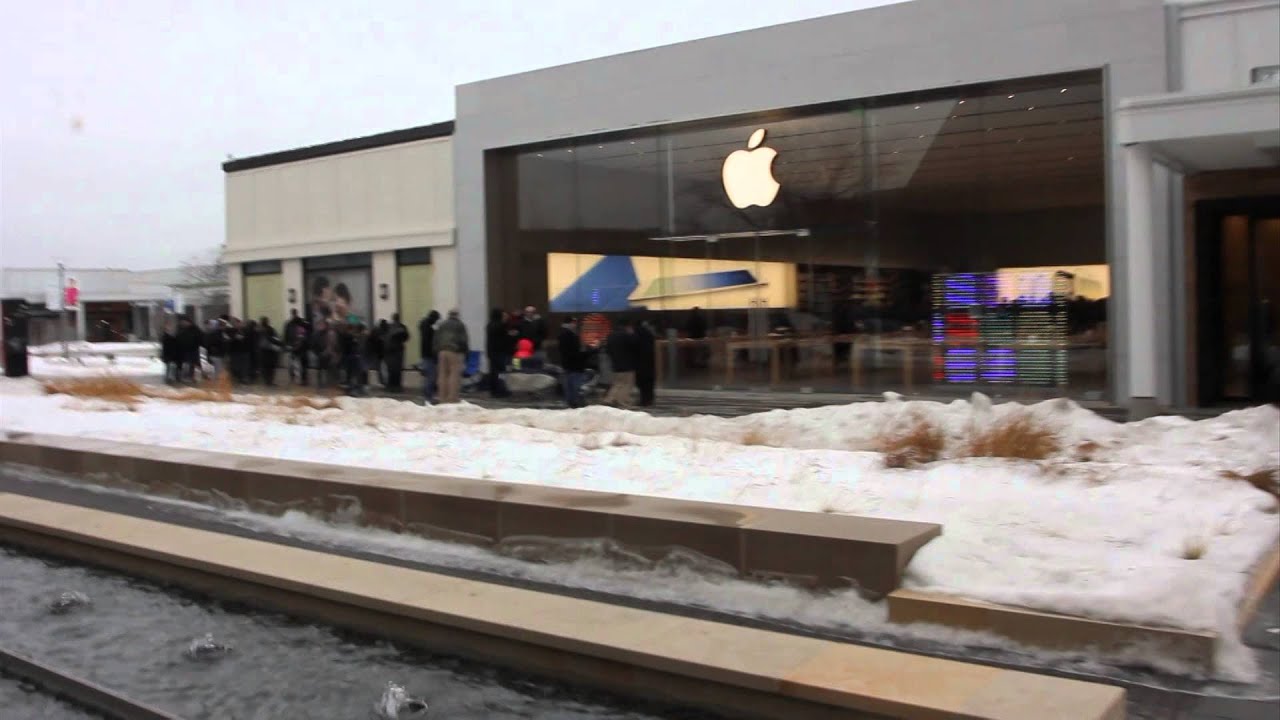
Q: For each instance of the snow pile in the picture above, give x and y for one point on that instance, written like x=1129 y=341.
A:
x=80 y=347
x=1099 y=529
x=56 y=366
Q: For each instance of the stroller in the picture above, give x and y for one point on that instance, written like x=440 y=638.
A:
x=527 y=378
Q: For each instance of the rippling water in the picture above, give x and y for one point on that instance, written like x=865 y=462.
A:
x=19 y=700
x=134 y=638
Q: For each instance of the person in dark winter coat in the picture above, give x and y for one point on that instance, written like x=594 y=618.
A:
x=170 y=355
x=646 y=347
x=426 y=341
x=251 y=351
x=237 y=350
x=622 y=349
x=499 y=344
x=268 y=351
x=297 y=334
x=375 y=350
x=394 y=340
x=573 y=361
x=189 y=340
x=354 y=346
x=533 y=328
x=451 y=345
x=324 y=348
x=215 y=345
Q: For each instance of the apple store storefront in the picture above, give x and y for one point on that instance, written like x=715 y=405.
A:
x=934 y=242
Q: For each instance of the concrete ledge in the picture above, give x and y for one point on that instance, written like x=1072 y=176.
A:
x=1265 y=575
x=1049 y=630
x=809 y=548
x=743 y=671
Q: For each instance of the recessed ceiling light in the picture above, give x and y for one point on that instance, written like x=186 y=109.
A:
x=917 y=107
x=633 y=142
x=1033 y=107
x=1073 y=157
x=895 y=152
x=570 y=149
x=539 y=154
x=600 y=146
x=960 y=103
x=1062 y=91
x=1010 y=97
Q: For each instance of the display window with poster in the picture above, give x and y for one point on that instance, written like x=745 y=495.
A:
x=339 y=288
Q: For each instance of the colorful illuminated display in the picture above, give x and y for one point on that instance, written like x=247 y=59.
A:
x=1002 y=327
x=620 y=283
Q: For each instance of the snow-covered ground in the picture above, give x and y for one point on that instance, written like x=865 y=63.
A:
x=80 y=347
x=138 y=360
x=50 y=367
x=1102 y=530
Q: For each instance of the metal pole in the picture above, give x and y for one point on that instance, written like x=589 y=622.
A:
x=62 y=303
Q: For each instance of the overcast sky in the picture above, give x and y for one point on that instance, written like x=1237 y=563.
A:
x=115 y=116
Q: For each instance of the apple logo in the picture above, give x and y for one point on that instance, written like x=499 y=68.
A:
x=748 y=174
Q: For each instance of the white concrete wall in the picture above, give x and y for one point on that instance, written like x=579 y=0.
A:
x=291 y=273
x=1221 y=41
x=384 y=271
x=444 y=281
x=398 y=196
x=235 y=279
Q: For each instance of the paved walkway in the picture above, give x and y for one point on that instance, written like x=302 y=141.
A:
x=683 y=403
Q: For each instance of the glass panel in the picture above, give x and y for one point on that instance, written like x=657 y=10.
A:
x=833 y=244
x=339 y=295
x=1266 y=238
x=1235 y=306
x=264 y=297
x=415 y=295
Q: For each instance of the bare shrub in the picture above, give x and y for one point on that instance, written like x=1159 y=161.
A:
x=298 y=402
x=1087 y=451
x=753 y=436
x=108 y=387
x=1194 y=547
x=1019 y=436
x=217 y=389
x=1267 y=480
x=919 y=442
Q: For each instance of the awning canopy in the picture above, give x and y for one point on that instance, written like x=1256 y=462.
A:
x=1220 y=130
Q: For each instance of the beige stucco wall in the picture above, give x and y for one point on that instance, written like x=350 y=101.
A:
x=400 y=196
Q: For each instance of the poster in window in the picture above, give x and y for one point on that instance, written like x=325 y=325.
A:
x=342 y=295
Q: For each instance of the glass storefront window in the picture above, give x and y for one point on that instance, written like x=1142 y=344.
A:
x=945 y=241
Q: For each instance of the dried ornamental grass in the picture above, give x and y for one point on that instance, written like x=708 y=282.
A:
x=1020 y=437
x=1267 y=480
x=106 y=387
x=920 y=442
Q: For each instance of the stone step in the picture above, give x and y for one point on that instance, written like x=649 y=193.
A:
x=812 y=549
x=738 y=671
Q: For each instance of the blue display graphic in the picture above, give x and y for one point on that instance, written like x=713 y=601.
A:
x=665 y=287
x=606 y=287
x=610 y=286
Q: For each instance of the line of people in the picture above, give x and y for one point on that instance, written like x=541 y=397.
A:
x=335 y=354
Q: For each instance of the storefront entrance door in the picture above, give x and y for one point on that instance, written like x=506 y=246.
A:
x=1239 y=273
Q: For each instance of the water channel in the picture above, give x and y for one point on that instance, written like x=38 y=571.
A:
x=135 y=638
x=682 y=586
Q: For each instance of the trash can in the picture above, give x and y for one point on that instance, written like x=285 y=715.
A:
x=15 y=355
x=16 y=329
